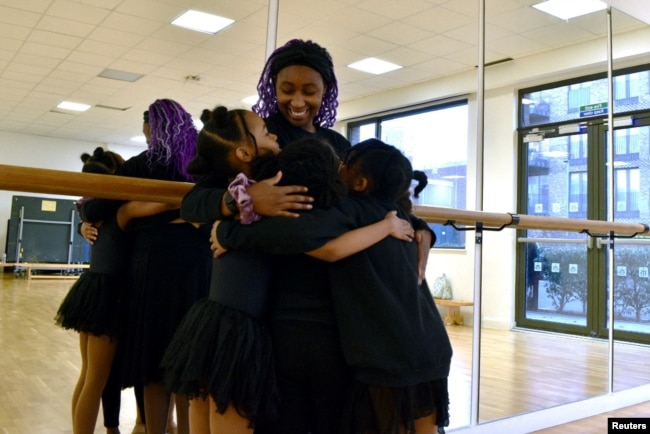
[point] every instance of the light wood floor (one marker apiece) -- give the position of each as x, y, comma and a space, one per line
520, 371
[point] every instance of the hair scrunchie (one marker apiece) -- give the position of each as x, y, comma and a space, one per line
237, 189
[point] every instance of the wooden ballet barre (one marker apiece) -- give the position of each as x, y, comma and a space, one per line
16, 178
33, 180
522, 221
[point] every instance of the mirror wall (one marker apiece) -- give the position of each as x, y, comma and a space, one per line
517, 370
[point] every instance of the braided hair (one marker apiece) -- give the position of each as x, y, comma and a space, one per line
299, 52
173, 136
223, 131
388, 171
309, 162
101, 161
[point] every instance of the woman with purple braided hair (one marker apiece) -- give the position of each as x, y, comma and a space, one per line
170, 264
298, 94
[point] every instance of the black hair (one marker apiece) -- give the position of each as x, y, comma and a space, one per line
223, 130
305, 53
422, 180
308, 162
101, 161
387, 170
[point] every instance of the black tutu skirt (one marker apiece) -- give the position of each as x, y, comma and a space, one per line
386, 410
92, 305
226, 354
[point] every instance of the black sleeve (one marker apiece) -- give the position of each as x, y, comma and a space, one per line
96, 210
419, 224
202, 204
285, 235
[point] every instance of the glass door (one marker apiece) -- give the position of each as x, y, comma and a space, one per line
631, 256
564, 274
559, 271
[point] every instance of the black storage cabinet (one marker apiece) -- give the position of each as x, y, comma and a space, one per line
45, 230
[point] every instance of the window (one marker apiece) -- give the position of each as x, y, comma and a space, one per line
627, 192
578, 195
578, 148
434, 139
586, 98
626, 144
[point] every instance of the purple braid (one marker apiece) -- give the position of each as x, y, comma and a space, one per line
299, 52
173, 136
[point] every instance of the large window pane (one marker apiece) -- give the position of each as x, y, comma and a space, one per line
435, 141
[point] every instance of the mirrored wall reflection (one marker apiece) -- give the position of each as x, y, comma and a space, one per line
559, 352
527, 370
631, 257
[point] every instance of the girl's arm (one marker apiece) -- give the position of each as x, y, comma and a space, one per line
360, 239
336, 244
134, 209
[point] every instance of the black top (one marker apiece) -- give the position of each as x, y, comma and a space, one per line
287, 133
300, 287
391, 331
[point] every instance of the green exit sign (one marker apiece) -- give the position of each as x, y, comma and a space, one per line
593, 109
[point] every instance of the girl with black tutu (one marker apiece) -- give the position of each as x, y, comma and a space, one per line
92, 306
391, 333
221, 354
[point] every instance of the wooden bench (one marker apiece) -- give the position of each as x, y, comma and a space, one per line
453, 310
27, 267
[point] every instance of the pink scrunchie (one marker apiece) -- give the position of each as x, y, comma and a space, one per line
237, 189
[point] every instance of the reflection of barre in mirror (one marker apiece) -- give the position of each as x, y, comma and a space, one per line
27, 179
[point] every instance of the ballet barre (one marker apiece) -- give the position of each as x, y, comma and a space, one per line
26, 179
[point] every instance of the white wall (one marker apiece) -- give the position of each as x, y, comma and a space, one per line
44, 153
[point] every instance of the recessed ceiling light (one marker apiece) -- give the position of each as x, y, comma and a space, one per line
139, 139
374, 66
74, 106
565, 9
250, 100
202, 22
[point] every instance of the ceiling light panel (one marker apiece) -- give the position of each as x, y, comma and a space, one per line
374, 66
202, 22
565, 9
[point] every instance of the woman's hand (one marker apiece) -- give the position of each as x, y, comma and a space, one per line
217, 248
89, 232
399, 228
273, 201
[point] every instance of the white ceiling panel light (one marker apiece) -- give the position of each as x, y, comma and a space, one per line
73, 106
202, 22
565, 9
250, 100
374, 66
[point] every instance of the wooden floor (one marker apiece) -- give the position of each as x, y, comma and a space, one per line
520, 371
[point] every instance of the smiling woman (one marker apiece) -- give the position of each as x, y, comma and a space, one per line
298, 94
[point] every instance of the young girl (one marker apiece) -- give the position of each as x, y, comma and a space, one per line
222, 350
91, 307
391, 333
